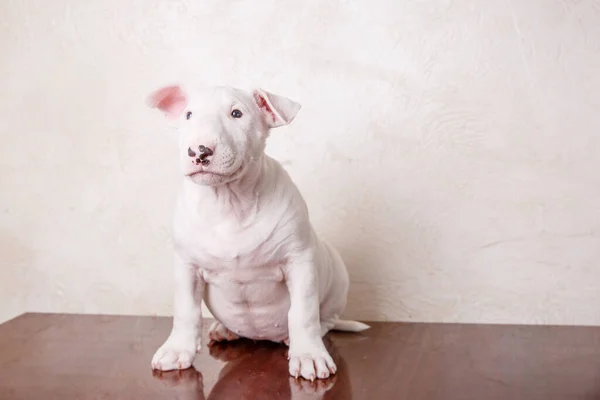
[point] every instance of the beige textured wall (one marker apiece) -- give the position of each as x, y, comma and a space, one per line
450, 149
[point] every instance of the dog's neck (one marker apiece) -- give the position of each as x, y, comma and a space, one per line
239, 198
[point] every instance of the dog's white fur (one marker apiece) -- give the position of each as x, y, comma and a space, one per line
243, 240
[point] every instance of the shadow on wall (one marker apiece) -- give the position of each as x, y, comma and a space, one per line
378, 290
16, 259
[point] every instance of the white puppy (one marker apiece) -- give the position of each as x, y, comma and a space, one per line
242, 236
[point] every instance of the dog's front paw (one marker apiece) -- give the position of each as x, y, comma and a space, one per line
175, 354
303, 389
311, 362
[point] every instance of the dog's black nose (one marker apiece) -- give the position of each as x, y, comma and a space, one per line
204, 151
202, 156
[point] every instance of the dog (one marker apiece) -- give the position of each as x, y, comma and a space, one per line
242, 236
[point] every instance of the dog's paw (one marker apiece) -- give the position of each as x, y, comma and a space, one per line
188, 378
301, 389
311, 363
175, 354
219, 333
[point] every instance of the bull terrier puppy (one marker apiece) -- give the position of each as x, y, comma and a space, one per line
242, 236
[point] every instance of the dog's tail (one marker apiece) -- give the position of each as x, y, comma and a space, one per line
349, 326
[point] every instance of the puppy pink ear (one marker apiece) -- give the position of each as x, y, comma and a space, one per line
170, 99
277, 110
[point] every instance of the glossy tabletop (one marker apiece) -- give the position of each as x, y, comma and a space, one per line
47, 356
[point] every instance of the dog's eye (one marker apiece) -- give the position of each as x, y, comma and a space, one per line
188, 115
236, 114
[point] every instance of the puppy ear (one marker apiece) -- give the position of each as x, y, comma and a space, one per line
171, 100
276, 110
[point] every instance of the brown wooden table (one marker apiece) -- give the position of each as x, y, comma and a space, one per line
51, 356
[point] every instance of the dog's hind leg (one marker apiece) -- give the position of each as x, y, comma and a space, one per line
219, 333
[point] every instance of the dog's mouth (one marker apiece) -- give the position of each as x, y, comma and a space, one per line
204, 172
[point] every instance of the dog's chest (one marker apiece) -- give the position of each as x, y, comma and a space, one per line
230, 251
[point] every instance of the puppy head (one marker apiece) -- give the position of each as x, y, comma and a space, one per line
222, 130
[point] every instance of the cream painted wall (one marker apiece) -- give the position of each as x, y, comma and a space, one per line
450, 149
